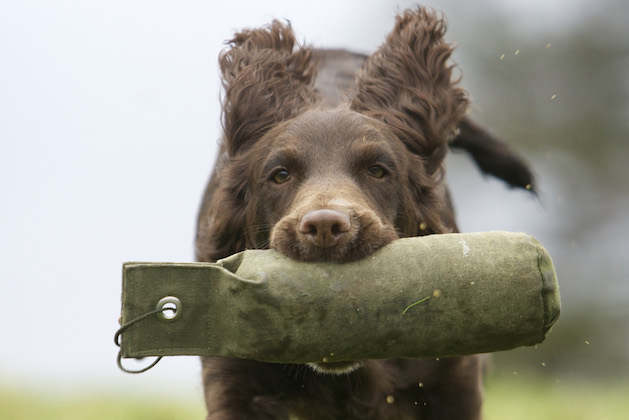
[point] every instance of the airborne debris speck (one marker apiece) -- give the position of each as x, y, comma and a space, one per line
466, 248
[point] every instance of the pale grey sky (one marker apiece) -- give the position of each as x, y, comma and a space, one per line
108, 125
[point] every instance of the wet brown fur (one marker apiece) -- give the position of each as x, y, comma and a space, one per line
400, 116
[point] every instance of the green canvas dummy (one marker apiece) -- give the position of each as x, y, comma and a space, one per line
432, 296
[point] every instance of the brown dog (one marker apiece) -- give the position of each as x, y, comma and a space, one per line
320, 178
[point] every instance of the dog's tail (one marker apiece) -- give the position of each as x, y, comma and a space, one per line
493, 156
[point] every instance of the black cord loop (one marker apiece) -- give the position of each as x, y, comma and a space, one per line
126, 327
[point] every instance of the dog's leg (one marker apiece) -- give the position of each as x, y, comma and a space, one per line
243, 389
453, 389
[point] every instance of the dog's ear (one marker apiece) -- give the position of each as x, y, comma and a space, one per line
267, 78
407, 83
222, 218
493, 156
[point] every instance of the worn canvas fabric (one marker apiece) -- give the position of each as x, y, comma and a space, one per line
431, 296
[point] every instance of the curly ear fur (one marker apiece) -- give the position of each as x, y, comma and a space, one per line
266, 80
429, 203
221, 223
407, 84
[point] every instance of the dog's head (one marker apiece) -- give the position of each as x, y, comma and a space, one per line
332, 184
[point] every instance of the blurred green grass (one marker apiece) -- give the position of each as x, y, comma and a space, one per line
518, 397
25, 405
508, 397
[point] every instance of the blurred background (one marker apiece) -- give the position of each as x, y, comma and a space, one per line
109, 121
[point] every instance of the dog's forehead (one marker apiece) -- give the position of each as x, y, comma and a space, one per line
329, 141
334, 128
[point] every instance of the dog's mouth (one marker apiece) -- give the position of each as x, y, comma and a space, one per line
351, 252
331, 236
335, 368
333, 254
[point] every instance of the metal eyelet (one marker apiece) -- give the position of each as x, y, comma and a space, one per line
169, 308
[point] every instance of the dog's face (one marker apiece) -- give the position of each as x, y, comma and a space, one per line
330, 185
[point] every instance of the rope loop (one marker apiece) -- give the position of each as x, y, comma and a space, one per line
126, 326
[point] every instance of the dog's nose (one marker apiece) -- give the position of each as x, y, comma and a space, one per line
325, 227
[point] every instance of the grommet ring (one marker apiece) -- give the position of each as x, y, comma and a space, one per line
169, 308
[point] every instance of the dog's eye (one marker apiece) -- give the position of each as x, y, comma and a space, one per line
281, 176
376, 171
